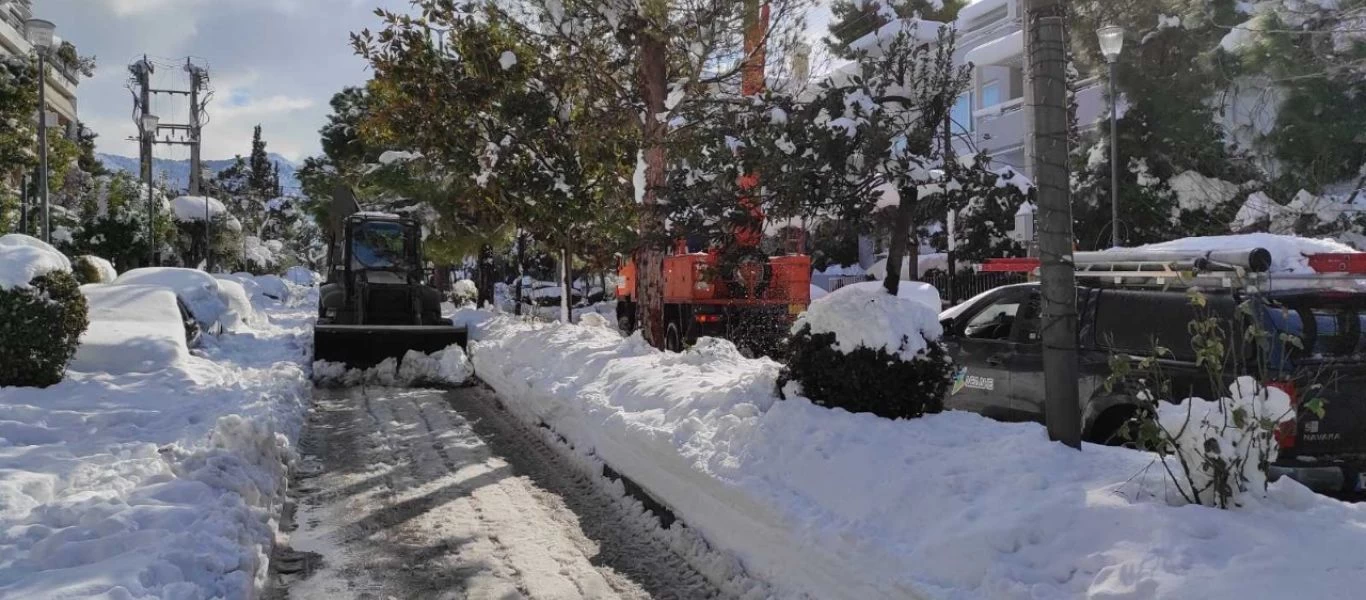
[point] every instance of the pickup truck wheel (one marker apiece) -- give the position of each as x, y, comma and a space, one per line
1109, 427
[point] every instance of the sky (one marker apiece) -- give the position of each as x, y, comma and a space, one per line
271, 62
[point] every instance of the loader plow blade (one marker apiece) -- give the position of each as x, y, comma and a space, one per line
364, 346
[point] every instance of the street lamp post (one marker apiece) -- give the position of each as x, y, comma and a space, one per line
149, 129
39, 32
1111, 44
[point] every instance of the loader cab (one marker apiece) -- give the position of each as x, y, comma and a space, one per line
385, 249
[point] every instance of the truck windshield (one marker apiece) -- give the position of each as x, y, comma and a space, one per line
379, 245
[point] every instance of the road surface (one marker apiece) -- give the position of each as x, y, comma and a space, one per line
442, 494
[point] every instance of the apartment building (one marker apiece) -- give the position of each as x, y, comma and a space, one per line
991, 115
61, 80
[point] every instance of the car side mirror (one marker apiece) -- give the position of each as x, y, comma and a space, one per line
947, 324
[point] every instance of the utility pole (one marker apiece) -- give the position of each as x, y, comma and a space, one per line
1046, 51
188, 133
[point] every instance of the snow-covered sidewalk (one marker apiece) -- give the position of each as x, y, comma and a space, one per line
830, 504
161, 484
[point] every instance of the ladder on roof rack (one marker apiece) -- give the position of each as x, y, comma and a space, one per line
1246, 270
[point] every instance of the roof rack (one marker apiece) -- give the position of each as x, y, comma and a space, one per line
1243, 270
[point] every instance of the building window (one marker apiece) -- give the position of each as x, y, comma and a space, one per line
961, 115
991, 93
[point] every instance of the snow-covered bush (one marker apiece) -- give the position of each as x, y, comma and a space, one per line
864, 350
92, 269
1214, 451
42, 312
464, 292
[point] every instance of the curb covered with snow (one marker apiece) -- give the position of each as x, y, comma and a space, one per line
837, 505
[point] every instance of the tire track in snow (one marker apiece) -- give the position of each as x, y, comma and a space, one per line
430, 494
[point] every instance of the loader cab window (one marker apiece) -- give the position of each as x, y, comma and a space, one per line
379, 245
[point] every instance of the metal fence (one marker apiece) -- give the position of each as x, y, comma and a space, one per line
958, 287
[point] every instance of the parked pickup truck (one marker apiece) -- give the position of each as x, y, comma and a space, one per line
995, 341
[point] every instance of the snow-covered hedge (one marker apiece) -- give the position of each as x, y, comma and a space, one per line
42, 312
864, 350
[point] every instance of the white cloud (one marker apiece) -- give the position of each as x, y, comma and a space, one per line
265, 106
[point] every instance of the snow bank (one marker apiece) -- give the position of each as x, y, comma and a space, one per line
838, 505
864, 315
303, 276
1288, 252
212, 301
151, 485
23, 257
449, 367
133, 329
193, 208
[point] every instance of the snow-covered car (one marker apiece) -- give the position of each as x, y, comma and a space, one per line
134, 329
217, 304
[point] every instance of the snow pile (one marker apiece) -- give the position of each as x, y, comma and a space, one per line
449, 367
864, 315
195, 208
151, 485
1288, 253
303, 276
831, 504
464, 291
213, 302
133, 329
263, 253
23, 257
105, 268
1201, 428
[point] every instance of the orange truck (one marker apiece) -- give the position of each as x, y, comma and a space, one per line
751, 302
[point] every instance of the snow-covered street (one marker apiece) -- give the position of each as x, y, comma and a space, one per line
432, 494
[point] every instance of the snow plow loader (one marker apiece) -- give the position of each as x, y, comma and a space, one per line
375, 303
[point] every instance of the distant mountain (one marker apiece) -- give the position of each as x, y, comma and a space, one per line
178, 171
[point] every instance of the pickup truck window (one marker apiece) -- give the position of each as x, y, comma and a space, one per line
995, 321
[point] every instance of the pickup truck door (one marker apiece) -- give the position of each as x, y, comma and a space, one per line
982, 343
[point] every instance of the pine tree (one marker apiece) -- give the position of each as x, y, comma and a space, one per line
259, 179
853, 19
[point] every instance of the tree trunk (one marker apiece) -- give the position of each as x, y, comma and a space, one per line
566, 284
901, 234
649, 257
485, 275
521, 271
